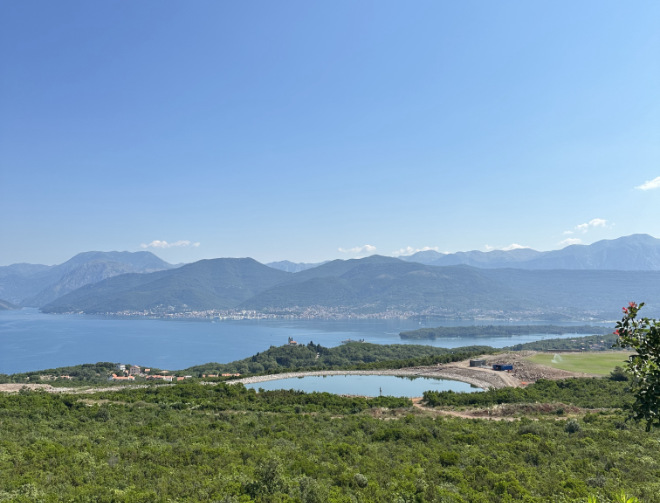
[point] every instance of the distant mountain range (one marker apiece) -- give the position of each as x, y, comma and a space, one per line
36, 285
576, 282
288, 266
372, 285
207, 284
638, 252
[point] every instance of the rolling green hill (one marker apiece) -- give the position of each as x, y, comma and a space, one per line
377, 284
207, 284
360, 355
371, 285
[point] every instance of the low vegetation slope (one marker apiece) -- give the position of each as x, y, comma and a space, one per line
188, 443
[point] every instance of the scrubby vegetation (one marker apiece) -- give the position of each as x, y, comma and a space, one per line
589, 342
87, 373
589, 393
194, 442
642, 335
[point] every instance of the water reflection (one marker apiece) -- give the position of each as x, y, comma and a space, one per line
367, 385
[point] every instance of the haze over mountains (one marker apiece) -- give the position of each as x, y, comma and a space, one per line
36, 285
207, 284
576, 282
638, 252
7, 306
373, 285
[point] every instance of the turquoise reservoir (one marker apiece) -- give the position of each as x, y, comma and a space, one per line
366, 385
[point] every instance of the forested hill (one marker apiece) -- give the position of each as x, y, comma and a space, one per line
503, 330
207, 284
590, 342
377, 284
370, 285
351, 355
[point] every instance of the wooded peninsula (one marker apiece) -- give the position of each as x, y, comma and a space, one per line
502, 330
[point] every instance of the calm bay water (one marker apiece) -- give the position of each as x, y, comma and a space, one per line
30, 340
366, 385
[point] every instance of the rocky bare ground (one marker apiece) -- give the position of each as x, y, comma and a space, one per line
525, 371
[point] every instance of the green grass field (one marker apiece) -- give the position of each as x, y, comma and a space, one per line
597, 362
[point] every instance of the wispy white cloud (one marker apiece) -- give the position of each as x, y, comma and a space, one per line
570, 241
585, 227
409, 250
164, 244
359, 250
512, 246
651, 184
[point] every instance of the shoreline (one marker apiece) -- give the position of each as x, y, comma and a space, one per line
480, 379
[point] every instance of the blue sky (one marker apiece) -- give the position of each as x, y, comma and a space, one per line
317, 130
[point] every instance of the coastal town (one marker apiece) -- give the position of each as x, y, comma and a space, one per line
327, 313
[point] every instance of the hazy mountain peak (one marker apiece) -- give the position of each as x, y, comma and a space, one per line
635, 252
37, 285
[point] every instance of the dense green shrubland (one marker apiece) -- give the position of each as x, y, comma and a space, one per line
589, 393
194, 442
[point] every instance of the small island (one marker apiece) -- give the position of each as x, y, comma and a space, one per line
500, 330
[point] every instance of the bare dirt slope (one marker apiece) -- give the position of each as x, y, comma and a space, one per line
527, 371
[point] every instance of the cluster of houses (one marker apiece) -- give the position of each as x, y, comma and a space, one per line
130, 372
220, 375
